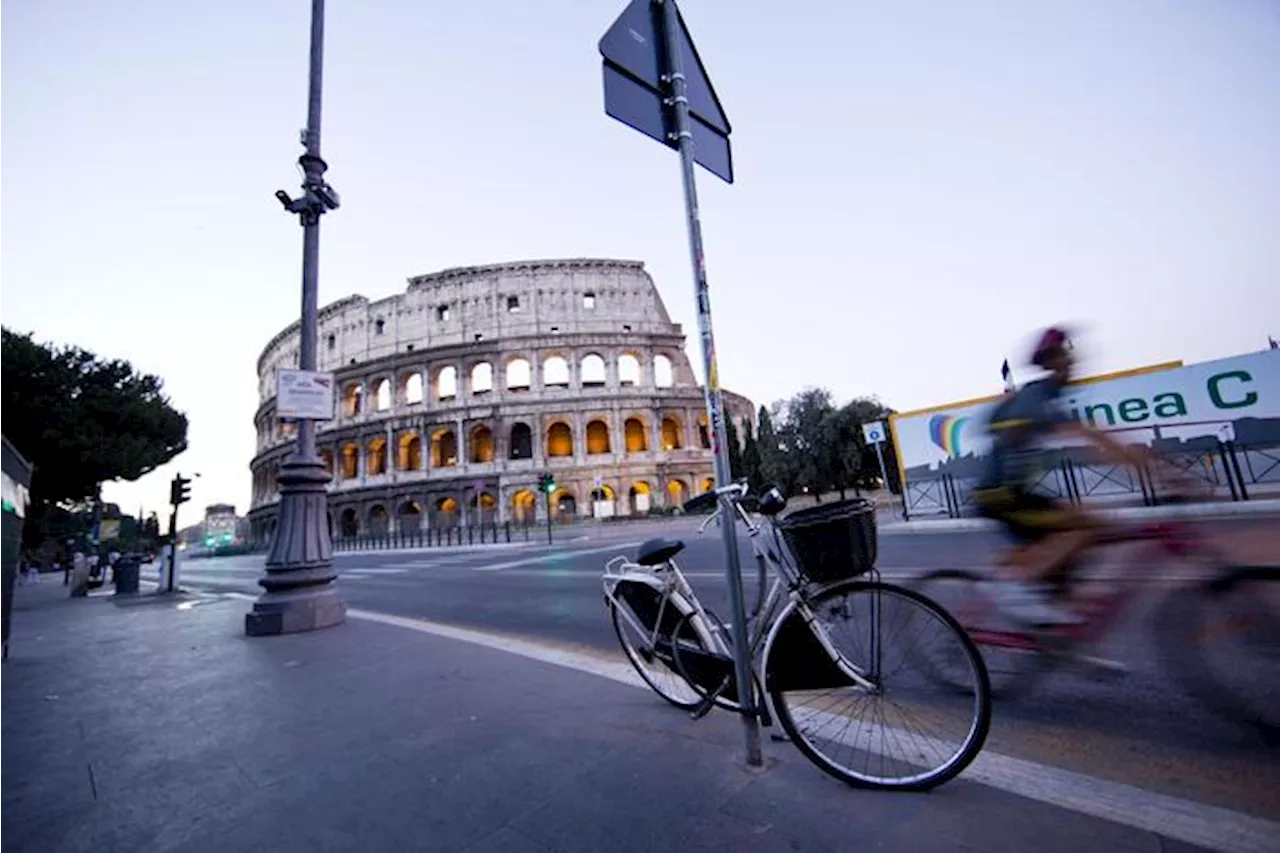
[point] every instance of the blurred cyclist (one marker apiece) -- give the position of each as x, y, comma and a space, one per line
1050, 534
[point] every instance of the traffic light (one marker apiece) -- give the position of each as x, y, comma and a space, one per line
180, 490
547, 483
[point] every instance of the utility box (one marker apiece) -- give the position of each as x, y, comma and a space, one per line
14, 484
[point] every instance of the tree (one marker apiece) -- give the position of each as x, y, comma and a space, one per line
775, 465
82, 421
805, 436
735, 449
751, 461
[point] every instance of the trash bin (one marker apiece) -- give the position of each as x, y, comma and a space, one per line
127, 572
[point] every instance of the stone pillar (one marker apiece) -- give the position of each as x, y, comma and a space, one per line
462, 443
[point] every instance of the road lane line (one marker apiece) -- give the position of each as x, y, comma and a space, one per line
619, 548
1202, 825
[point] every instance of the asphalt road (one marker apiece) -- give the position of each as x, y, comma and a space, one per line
1142, 731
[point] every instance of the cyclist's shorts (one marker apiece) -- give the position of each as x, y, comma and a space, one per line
1028, 516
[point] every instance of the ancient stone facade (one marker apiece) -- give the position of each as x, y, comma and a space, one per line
454, 396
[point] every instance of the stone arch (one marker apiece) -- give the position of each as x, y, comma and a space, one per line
519, 374
592, 371
349, 522
597, 437
564, 506
484, 508
677, 492
376, 460
480, 444
524, 507
352, 399
663, 373
708, 485
409, 516
671, 433
379, 520
635, 435
382, 398
444, 448
326, 457
641, 496
446, 512
559, 440
411, 387
704, 433
409, 452
628, 369
482, 378
521, 441
447, 383
555, 372
350, 461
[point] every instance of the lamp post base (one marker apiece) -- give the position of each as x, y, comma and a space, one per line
299, 571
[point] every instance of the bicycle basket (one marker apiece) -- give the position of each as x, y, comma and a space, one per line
832, 541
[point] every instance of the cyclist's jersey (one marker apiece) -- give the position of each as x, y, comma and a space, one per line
1015, 425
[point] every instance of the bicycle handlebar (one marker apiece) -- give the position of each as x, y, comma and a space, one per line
706, 500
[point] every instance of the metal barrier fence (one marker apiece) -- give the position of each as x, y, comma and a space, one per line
1226, 469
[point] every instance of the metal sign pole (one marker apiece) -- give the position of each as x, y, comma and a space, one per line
884, 472
715, 401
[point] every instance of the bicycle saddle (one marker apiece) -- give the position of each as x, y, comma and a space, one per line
657, 551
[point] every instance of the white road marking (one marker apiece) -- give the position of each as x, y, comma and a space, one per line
618, 548
1202, 825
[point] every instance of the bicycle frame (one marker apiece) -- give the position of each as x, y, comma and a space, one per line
1165, 539
772, 609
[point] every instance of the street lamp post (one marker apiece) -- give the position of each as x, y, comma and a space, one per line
298, 581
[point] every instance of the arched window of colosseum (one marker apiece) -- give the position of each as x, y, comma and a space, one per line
326, 456
519, 375
628, 369
382, 394
350, 462
555, 372
377, 457
378, 520
409, 517
593, 375
662, 376
523, 507
521, 441
671, 434
411, 383
349, 523
636, 435
447, 383
446, 512
559, 440
597, 437
677, 492
564, 505
352, 399
481, 444
444, 449
409, 452
708, 484
704, 435
640, 496
482, 378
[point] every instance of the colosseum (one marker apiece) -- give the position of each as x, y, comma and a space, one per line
453, 397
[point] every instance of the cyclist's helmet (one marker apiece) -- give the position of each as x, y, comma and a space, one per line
1053, 340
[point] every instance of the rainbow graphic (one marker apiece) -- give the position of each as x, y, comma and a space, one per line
945, 432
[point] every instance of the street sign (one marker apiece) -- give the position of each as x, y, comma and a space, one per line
636, 93
873, 433
109, 528
304, 394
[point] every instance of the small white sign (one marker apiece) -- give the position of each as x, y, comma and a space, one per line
304, 394
873, 433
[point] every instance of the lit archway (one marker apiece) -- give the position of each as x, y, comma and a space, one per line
350, 461
708, 484
564, 505
480, 446
559, 440
377, 457
637, 438
597, 437
446, 512
524, 507
326, 456
641, 497
677, 493
704, 434
352, 399
409, 452
444, 449
671, 434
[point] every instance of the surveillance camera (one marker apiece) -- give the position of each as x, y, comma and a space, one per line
329, 196
285, 200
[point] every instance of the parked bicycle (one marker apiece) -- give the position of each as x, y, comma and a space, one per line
1219, 635
828, 655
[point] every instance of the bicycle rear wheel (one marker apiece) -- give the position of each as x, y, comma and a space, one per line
653, 661
1223, 642
896, 729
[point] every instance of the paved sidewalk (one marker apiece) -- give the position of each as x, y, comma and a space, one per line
153, 724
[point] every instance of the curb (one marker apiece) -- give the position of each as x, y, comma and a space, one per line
1241, 509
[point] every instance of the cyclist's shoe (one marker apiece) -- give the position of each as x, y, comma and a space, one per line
1031, 605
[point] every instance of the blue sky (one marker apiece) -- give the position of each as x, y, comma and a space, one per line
919, 184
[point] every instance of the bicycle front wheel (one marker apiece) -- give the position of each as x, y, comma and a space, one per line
866, 706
